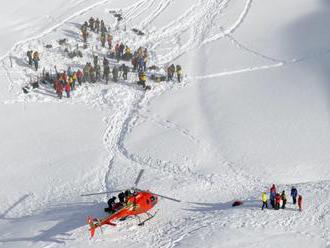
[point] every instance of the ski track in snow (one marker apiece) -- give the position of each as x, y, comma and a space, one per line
130, 104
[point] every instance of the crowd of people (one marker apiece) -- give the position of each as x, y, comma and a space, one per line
93, 25
100, 69
279, 200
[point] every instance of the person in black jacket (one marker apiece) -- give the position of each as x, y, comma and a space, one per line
111, 202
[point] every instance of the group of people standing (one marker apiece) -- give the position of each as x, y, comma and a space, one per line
279, 200
99, 69
94, 25
171, 70
66, 81
93, 73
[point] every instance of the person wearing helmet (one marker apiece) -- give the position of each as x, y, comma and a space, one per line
111, 203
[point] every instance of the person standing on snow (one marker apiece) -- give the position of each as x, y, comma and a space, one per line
106, 73
29, 55
92, 73
91, 23
179, 73
103, 27
121, 49
98, 72
264, 200
300, 202
97, 25
277, 201
283, 197
170, 72
294, 194
109, 40
86, 72
103, 39
80, 76
95, 60
115, 72
58, 88
125, 71
67, 89
36, 59
84, 34
272, 195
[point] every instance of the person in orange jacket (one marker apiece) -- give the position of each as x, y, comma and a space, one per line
300, 202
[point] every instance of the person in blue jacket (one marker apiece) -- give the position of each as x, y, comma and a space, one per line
294, 194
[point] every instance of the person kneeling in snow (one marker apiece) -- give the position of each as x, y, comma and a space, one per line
142, 80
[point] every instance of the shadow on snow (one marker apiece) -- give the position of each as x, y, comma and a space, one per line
67, 216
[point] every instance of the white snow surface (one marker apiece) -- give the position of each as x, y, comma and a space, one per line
252, 110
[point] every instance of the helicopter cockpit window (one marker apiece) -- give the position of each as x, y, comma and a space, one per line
152, 198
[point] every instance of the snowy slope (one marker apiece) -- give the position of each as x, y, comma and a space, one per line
253, 110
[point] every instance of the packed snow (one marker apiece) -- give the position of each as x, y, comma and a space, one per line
252, 111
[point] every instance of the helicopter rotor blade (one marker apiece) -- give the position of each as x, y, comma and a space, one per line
166, 197
138, 177
102, 193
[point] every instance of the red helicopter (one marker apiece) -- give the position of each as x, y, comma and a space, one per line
137, 203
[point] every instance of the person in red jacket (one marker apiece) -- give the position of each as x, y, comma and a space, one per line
67, 90
277, 201
273, 189
272, 194
300, 202
58, 88
80, 76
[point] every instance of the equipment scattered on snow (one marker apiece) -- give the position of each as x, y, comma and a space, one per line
62, 42
138, 32
237, 203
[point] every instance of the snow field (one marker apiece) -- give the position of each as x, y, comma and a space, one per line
246, 116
